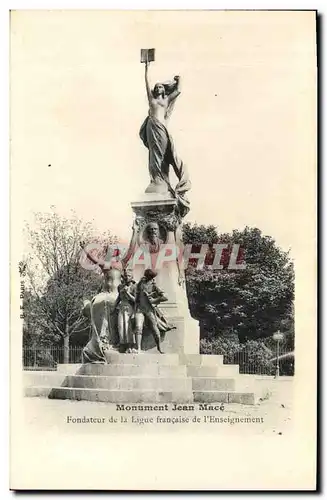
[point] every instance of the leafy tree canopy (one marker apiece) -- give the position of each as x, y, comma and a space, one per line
252, 302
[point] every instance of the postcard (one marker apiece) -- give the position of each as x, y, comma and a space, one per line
163, 250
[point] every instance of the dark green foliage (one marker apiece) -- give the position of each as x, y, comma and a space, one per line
253, 302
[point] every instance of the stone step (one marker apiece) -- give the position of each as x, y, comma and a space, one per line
149, 396
111, 396
69, 368
142, 359
213, 384
144, 370
213, 371
156, 382
240, 384
201, 360
46, 379
246, 398
150, 369
37, 391
129, 383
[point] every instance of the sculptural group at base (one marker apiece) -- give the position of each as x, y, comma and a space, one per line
122, 313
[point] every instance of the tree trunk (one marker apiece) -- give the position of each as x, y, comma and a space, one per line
66, 346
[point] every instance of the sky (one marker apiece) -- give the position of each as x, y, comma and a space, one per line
245, 122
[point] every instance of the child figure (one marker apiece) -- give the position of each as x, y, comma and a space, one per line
125, 307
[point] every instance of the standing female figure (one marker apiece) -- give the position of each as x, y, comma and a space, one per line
162, 152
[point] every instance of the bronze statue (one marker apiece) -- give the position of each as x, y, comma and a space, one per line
162, 152
125, 307
101, 311
148, 296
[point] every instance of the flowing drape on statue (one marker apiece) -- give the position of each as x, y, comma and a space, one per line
162, 322
102, 315
162, 154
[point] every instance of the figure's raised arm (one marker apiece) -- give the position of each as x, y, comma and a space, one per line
177, 89
147, 84
94, 260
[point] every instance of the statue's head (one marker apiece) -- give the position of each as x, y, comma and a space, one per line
153, 231
111, 279
149, 274
127, 277
159, 89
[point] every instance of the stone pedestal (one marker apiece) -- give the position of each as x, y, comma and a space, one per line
164, 255
146, 378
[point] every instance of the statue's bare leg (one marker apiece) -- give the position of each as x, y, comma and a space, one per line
139, 342
139, 321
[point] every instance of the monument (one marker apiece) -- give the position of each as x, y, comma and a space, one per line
156, 237
144, 345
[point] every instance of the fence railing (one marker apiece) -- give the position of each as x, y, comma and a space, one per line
47, 358
249, 364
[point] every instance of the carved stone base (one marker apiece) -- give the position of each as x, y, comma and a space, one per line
161, 210
184, 339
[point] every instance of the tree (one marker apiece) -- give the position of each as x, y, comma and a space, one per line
58, 284
252, 302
